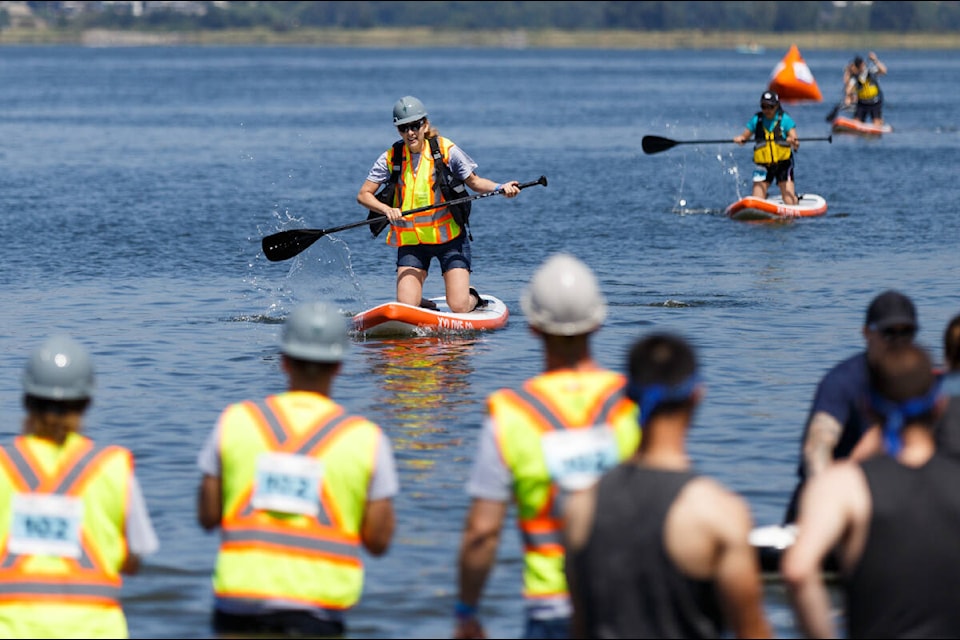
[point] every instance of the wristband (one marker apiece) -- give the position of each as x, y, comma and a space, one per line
464, 611
498, 187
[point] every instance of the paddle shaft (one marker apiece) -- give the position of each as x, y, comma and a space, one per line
656, 144
287, 244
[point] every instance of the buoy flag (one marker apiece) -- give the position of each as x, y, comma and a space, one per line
792, 80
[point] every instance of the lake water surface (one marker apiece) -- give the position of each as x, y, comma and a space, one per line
136, 185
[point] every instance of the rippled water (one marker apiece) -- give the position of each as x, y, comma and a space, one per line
136, 184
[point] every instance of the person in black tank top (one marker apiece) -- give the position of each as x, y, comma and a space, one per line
655, 550
891, 518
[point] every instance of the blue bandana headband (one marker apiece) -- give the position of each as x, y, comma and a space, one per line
650, 396
896, 414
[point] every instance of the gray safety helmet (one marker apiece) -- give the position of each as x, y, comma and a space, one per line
316, 332
564, 298
59, 369
408, 109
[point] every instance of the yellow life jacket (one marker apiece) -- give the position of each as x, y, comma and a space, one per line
867, 89
562, 428
295, 472
767, 147
63, 537
419, 187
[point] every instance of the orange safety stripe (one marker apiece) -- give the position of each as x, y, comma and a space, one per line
542, 532
439, 218
87, 579
322, 537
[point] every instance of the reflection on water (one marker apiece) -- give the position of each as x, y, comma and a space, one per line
423, 381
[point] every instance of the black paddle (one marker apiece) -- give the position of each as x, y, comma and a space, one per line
287, 244
833, 112
656, 144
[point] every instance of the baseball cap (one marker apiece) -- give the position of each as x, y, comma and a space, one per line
890, 309
769, 97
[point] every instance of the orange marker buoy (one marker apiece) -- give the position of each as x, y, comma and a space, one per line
792, 80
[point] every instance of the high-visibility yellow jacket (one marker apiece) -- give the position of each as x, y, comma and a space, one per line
295, 473
560, 427
62, 525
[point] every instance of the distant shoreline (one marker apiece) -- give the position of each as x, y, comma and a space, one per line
499, 39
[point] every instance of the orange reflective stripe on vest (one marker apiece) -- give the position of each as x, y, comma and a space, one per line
316, 538
306, 552
419, 187
87, 579
538, 429
543, 532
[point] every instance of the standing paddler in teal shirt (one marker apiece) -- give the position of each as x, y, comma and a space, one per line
775, 139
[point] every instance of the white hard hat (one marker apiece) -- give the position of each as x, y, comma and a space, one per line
59, 369
564, 298
317, 332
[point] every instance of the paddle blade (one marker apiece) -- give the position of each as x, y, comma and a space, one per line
287, 244
656, 144
833, 113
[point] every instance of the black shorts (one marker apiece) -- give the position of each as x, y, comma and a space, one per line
779, 171
868, 112
283, 623
455, 254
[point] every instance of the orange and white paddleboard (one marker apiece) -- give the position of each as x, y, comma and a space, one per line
849, 125
396, 318
792, 79
752, 209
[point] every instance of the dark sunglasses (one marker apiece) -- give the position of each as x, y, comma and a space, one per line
898, 333
414, 126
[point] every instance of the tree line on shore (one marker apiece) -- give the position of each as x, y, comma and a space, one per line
674, 15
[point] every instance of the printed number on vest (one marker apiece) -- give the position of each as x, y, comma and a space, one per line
46, 525
287, 483
576, 458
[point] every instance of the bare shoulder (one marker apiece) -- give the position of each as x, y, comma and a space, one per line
707, 521
841, 475
714, 504
841, 486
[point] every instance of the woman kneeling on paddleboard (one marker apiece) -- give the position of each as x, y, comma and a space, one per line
775, 139
424, 169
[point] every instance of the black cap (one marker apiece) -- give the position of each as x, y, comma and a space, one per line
891, 309
857, 61
769, 97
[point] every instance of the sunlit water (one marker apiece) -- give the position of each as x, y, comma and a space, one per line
136, 184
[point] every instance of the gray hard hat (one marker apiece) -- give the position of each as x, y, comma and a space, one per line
315, 331
408, 109
59, 369
564, 298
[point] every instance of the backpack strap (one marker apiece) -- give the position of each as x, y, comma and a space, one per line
452, 189
397, 162
387, 190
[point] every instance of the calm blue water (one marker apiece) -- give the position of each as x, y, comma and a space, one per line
136, 184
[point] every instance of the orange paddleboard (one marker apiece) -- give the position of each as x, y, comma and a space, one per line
792, 79
396, 318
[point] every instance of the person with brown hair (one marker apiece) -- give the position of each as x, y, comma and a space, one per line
72, 514
424, 168
863, 89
